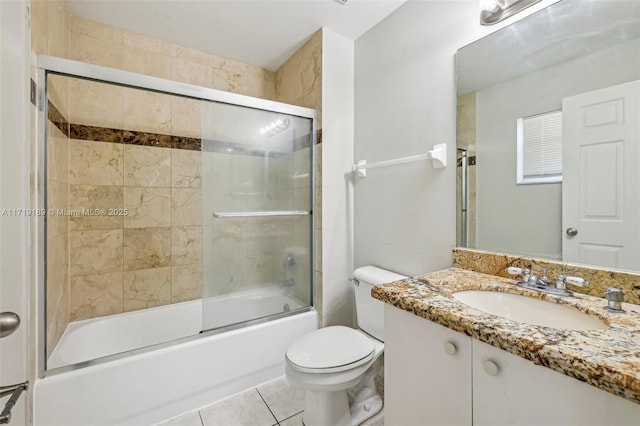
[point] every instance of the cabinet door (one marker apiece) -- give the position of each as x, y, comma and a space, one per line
509, 390
427, 379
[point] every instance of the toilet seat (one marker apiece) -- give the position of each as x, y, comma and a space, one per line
330, 350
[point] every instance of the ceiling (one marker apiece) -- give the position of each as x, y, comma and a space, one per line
258, 32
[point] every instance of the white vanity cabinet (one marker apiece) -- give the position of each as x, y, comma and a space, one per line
429, 383
510, 390
427, 372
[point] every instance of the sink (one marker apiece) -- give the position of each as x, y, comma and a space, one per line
529, 310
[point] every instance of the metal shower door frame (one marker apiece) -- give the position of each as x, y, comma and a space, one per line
70, 68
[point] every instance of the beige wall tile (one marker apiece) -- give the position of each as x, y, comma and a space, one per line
95, 252
57, 155
108, 199
185, 117
317, 208
95, 104
58, 93
57, 199
59, 28
147, 44
186, 169
58, 269
95, 163
146, 111
191, 72
146, 288
147, 166
40, 26
186, 283
146, 62
146, 248
186, 207
96, 295
96, 43
299, 80
186, 54
147, 207
186, 245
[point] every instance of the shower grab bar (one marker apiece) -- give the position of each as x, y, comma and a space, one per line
230, 215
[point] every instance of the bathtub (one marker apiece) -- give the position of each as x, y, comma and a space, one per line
148, 387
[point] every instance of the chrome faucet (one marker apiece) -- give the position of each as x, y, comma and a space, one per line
543, 283
614, 297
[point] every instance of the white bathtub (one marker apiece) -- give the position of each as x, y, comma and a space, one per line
146, 388
99, 337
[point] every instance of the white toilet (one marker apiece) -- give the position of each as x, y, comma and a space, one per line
337, 365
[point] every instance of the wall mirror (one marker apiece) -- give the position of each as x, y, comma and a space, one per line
548, 136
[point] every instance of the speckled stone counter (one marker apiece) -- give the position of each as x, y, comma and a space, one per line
608, 359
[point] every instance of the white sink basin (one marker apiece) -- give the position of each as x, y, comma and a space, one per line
529, 310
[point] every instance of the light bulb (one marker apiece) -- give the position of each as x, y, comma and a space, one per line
490, 5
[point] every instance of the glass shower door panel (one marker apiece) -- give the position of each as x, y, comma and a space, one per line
256, 181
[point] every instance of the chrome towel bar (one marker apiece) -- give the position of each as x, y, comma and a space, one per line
230, 215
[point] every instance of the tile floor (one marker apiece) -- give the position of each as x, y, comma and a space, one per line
271, 404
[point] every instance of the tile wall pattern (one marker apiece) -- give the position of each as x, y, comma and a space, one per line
151, 183
50, 23
599, 278
149, 251
299, 80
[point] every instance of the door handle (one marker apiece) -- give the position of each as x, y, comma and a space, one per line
572, 232
9, 322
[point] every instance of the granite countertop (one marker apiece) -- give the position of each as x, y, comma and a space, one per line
608, 359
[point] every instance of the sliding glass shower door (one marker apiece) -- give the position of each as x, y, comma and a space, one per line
257, 213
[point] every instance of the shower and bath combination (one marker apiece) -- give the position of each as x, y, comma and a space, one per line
177, 225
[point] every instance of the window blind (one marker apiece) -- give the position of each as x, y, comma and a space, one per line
540, 148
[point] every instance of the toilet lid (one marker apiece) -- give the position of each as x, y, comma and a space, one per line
330, 349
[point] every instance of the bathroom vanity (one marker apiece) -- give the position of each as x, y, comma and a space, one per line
449, 363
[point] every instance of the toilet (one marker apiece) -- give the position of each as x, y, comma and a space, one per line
337, 365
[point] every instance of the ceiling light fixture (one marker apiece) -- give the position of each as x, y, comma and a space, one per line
494, 11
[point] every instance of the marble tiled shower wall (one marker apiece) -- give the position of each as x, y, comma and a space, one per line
55, 32
155, 191
146, 250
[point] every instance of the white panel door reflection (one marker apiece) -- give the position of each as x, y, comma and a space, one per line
601, 180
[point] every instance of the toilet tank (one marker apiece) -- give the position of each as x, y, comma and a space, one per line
370, 311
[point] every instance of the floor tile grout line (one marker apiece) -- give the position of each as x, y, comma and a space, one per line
293, 415
268, 408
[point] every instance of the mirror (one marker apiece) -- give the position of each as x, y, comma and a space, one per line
580, 58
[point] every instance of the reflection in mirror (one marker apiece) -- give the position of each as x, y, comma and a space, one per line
548, 136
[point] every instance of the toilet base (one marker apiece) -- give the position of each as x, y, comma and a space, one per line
348, 407
326, 408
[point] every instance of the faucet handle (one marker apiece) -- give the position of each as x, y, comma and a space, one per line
577, 281
513, 270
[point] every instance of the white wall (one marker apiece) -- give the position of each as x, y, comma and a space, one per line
14, 194
405, 103
337, 191
536, 229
